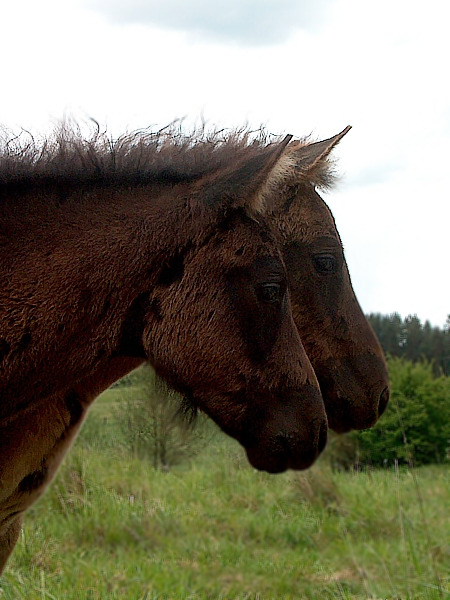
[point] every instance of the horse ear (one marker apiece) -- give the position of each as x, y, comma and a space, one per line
245, 185
310, 161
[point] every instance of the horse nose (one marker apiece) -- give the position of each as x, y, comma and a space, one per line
300, 451
383, 401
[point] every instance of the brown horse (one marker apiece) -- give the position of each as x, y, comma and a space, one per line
343, 350
143, 251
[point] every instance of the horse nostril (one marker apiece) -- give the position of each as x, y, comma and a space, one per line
384, 399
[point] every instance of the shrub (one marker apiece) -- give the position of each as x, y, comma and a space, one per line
150, 421
416, 424
341, 452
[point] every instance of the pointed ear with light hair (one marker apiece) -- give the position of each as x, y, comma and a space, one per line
311, 161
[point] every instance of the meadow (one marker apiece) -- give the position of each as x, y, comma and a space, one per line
112, 526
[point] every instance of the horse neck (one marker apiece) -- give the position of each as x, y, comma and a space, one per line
69, 273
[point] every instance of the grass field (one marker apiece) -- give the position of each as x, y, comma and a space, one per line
113, 527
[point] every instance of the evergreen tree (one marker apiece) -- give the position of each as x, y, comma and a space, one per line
414, 338
410, 339
389, 331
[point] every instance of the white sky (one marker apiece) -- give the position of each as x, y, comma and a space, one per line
381, 66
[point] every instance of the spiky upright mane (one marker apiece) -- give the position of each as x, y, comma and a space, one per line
144, 156
167, 155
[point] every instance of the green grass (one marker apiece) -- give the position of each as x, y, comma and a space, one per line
112, 527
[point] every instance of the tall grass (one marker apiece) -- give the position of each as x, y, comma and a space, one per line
113, 527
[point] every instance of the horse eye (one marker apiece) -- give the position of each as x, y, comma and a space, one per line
325, 263
270, 293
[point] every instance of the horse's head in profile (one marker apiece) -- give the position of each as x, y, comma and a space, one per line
338, 339
217, 323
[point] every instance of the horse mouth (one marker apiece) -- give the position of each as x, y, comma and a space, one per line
345, 415
355, 393
286, 451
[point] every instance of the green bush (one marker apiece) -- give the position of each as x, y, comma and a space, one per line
416, 425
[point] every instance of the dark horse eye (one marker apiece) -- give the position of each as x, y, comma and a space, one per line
325, 263
270, 292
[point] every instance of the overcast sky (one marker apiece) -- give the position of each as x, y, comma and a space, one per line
296, 66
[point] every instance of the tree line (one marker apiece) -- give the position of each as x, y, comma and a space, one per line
410, 339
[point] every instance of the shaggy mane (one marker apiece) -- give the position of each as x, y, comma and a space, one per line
168, 155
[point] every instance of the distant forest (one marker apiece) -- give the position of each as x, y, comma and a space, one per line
408, 338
